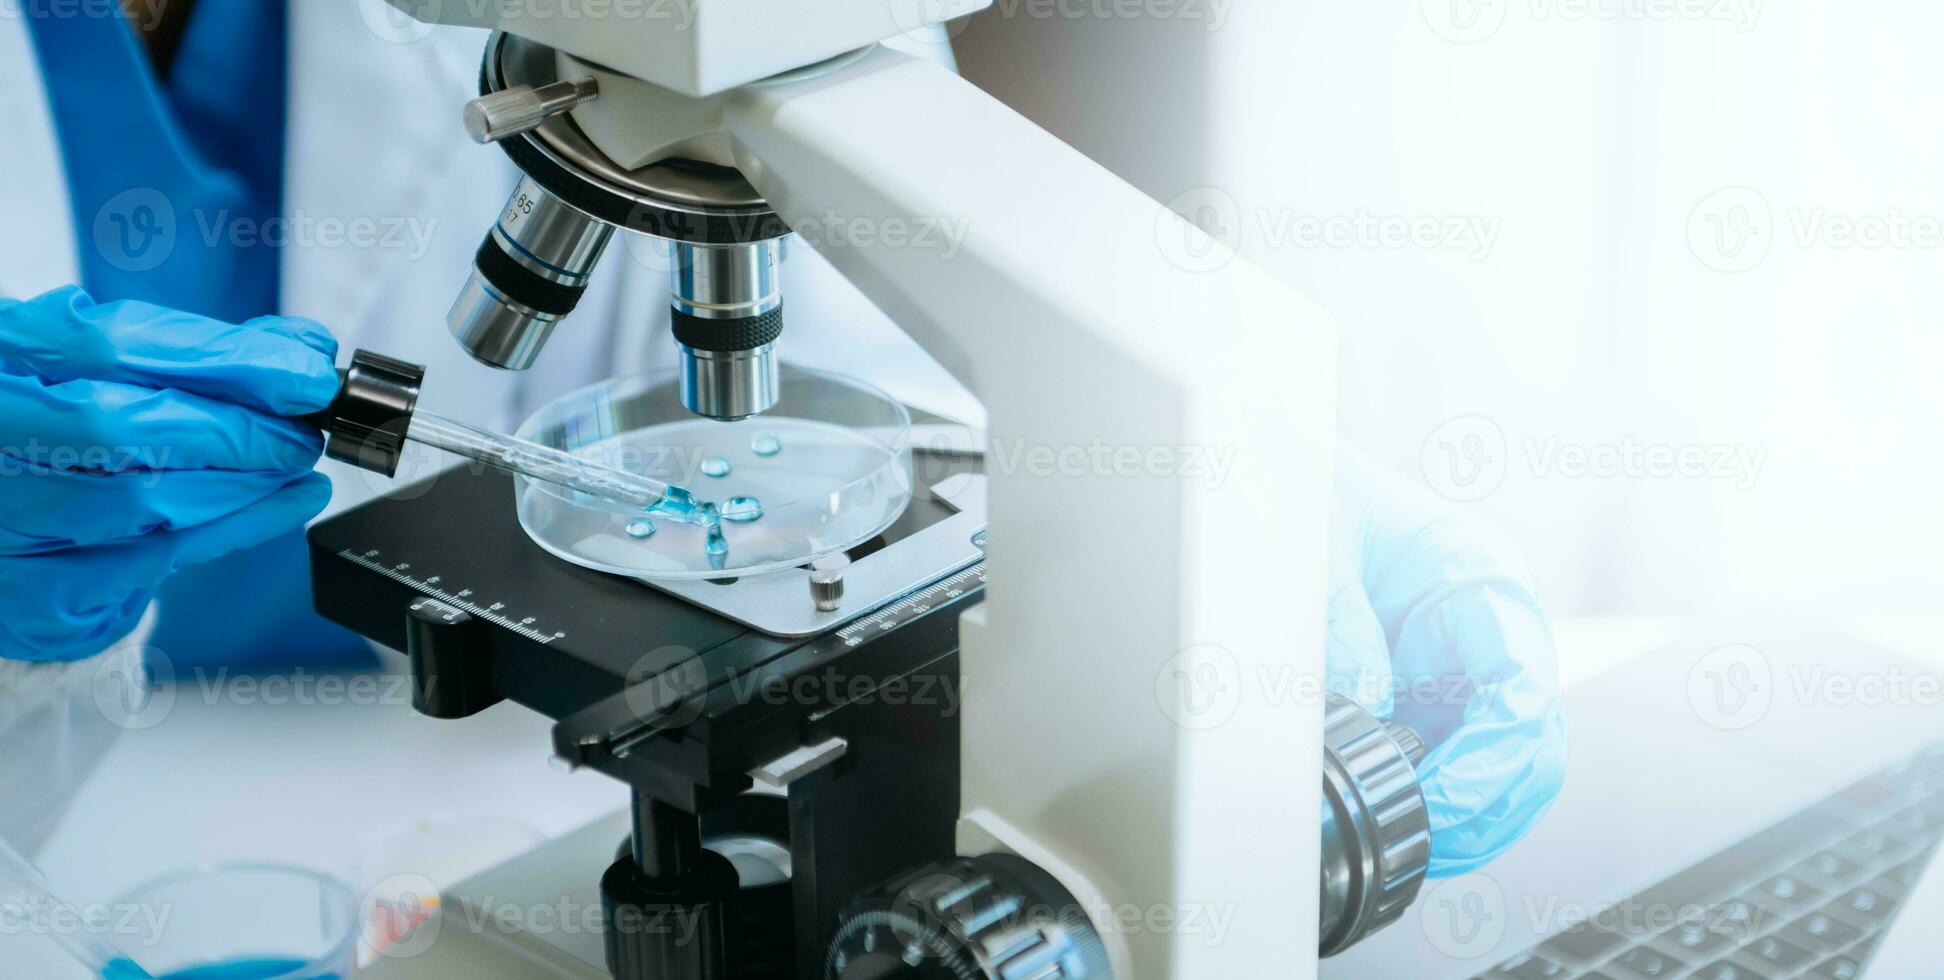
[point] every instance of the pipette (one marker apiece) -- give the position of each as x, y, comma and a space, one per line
376, 412
537, 462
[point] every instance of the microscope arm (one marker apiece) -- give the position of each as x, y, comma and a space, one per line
1159, 480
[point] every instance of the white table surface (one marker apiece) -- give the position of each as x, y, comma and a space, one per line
320, 785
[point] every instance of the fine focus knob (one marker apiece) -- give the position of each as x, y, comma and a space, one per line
1376, 827
521, 108
997, 916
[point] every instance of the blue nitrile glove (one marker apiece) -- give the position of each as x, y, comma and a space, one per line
136, 440
1433, 623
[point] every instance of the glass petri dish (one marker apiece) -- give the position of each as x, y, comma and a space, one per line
246, 922
825, 470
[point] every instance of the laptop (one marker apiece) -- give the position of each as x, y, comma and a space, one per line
1753, 802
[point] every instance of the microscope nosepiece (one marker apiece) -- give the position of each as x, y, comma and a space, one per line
529, 273
727, 316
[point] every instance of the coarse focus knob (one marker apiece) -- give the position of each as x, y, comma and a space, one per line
1376, 827
997, 916
521, 108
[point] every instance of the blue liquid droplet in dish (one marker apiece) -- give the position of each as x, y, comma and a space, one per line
677, 504
715, 466
742, 510
641, 528
765, 445
717, 546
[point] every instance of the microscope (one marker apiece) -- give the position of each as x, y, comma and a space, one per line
1048, 722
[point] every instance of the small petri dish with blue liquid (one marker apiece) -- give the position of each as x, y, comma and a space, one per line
244, 922
825, 470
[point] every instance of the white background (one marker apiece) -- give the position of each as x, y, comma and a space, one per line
1597, 136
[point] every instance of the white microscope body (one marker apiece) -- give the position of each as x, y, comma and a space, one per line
1161, 418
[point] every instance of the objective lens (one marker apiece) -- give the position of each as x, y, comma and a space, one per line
529, 273
728, 313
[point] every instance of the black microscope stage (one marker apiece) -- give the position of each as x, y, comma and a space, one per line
654, 690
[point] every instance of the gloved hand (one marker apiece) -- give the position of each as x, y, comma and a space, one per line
134, 441
1433, 623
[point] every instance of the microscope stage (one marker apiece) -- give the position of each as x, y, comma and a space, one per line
442, 569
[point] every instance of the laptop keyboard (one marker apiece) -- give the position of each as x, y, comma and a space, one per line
1807, 898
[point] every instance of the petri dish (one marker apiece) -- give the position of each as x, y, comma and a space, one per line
825, 470
246, 922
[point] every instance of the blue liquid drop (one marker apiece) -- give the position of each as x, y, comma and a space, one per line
123, 969
717, 546
641, 528
251, 969
765, 445
715, 466
677, 505
742, 510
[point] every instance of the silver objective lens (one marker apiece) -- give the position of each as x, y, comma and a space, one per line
728, 312
529, 273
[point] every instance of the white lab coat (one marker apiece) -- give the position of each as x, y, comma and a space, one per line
374, 133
